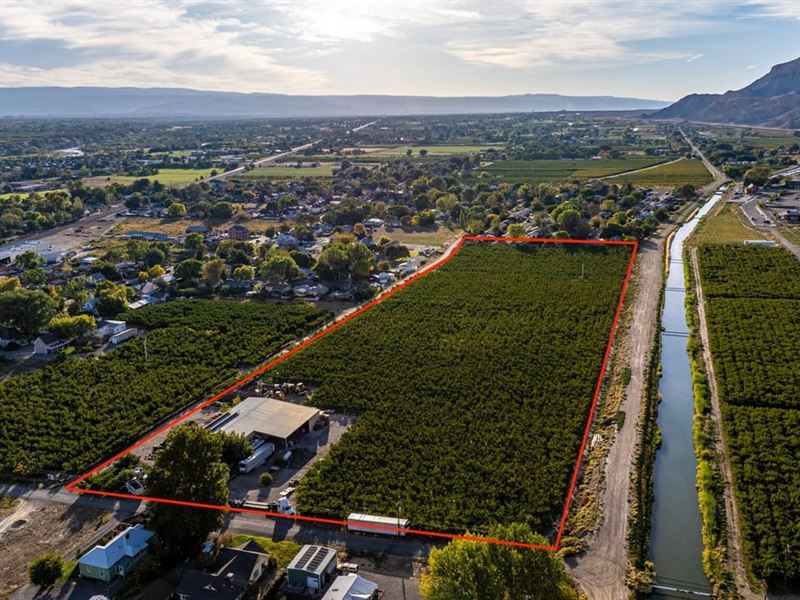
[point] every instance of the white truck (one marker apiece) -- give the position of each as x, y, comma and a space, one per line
377, 525
262, 451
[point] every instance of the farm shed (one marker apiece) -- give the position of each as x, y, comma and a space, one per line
312, 568
271, 419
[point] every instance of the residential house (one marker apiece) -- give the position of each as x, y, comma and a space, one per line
233, 573
107, 328
311, 569
201, 229
48, 344
116, 557
239, 232
352, 587
286, 240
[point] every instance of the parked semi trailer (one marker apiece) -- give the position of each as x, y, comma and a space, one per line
361, 523
263, 450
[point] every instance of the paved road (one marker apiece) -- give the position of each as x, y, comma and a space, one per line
719, 176
264, 161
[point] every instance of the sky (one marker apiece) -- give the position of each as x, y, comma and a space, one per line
658, 49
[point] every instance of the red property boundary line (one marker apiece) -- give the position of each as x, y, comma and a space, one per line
72, 485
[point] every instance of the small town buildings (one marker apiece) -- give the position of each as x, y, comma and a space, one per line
118, 556
234, 572
239, 232
48, 344
352, 587
311, 569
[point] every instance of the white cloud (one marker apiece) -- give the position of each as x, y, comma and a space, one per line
285, 45
148, 42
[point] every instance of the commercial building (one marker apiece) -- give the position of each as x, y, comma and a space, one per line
270, 419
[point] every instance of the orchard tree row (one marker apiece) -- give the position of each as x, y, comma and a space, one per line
473, 387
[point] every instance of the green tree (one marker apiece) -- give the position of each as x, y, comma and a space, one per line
344, 257
221, 210
176, 209
67, 327
195, 244
244, 273
758, 175
189, 269
27, 310
46, 569
29, 260
235, 447
214, 270
279, 267
112, 298
189, 467
516, 230
469, 570
155, 256
9, 284
569, 220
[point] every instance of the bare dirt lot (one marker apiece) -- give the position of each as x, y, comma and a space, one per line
33, 527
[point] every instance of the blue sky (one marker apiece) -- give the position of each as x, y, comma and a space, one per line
660, 49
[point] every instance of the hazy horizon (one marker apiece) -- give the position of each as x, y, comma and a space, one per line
654, 49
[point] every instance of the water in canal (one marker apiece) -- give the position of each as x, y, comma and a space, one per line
676, 545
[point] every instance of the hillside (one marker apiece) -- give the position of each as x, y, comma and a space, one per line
173, 102
772, 101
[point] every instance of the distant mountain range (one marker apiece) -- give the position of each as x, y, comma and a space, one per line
169, 102
772, 101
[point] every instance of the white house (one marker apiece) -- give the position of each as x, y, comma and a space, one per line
117, 556
107, 328
47, 344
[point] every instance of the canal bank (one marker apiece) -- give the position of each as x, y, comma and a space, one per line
676, 545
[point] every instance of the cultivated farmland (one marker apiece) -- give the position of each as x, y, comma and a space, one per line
473, 386
70, 414
753, 299
688, 171
514, 171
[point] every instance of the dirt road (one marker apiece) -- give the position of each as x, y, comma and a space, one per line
600, 572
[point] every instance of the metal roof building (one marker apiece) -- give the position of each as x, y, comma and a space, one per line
313, 567
268, 418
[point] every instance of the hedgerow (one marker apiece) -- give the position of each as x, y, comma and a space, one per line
67, 415
473, 387
753, 299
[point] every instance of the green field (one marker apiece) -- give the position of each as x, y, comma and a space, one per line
517, 171
752, 300
26, 194
689, 171
287, 171
726, 226
433, 150
758, 138
165, 176
472, 387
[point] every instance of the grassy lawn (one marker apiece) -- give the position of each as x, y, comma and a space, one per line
725, 226
685, 171
283, 551
7, 503
26, 194
286, 171
791, 233
69, 569
165, 176
428, 237
514, 171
